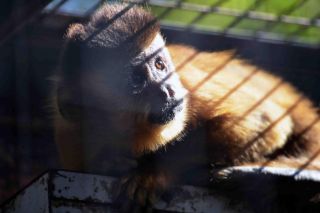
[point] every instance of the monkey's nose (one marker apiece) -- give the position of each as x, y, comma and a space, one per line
171, 92
167, 92
159, 95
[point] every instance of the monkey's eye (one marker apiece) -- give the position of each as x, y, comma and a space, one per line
159, 64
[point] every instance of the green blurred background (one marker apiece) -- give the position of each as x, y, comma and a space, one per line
295, 21
280, 12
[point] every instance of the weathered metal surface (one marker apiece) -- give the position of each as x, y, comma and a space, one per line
295, 174
32, 199
195, 199
84, 187
77, 192
81, 209
62, 191
63, 206
98, 189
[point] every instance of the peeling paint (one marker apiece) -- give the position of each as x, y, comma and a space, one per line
77, 192
32, 199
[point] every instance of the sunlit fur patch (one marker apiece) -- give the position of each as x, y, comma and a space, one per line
150, 137
156, 46
165, 113
177, 125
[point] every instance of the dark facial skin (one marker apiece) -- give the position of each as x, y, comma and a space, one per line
145, 84
153, 80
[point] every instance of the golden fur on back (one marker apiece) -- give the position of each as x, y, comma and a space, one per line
200, 111
222, 86
246, 114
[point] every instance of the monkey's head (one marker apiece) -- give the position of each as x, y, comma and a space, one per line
118, 62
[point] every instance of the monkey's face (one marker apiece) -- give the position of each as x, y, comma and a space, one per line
154, 84
144, 85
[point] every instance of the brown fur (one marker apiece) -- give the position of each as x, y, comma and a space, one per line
116, 26
256, 90
234, 114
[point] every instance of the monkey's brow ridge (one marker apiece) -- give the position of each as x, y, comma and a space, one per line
143, 59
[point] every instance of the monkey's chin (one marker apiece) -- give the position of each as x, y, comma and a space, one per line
165, 115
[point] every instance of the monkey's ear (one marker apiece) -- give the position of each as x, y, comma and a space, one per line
76, 32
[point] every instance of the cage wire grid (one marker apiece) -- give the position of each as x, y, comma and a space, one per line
167, 8
290, 24
303, 23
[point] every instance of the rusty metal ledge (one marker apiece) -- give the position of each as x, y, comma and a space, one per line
64, 191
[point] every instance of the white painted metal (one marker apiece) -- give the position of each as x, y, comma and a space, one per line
63, 191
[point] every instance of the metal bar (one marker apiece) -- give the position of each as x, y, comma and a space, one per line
304, 28
19, 17
276, 38
243, 16
255, 15
202, 15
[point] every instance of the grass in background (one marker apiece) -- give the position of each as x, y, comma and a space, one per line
303, 8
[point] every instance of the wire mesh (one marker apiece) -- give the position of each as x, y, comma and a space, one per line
221, 17
253, 21
295, 22
284, 16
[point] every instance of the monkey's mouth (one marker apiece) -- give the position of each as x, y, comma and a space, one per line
166, 113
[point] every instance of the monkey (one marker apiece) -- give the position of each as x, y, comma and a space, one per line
125, 103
